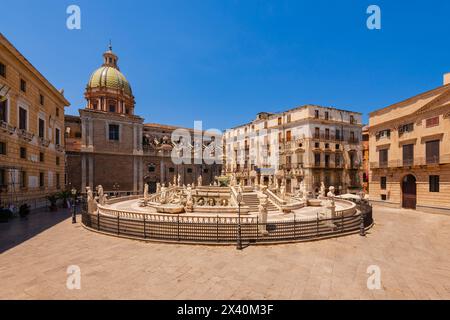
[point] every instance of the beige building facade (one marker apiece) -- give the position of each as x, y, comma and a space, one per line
310, 143
32, 157
409, 152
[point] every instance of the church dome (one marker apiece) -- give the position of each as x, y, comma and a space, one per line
109, 77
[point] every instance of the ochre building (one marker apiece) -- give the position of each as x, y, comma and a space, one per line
32, 157
409, 150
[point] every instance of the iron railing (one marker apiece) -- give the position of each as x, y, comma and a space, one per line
223, 230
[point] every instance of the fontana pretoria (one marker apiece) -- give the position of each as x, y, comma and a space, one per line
134, 189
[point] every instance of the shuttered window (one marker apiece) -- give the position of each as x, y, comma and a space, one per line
432, 151
408, 154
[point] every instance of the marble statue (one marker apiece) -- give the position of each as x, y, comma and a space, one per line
270, 181
163, 198
175, 180
189, 200
283, 191
179, 180
101, 197
145, 191
262, 213
91, 202
158, 187
200, 181
330, 193
322, 190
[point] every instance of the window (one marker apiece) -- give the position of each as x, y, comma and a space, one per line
288, 118
280, 137
2, 177
23, 85
58, 184
316, 114
57, 137
2, 148
337, 160
265, 124
22, 118
352, 136
434, 183
383, 183
2, 70
41, 128
288, 135
405, 128
383, 134
41, 157
338, 134
337, 146
189, 170
327, 115
57, 161
78, 134
112, 108
23, 179
41, 179
432, 122
317, 145
41, 99
408, 154
279, 121
352, 119
151, 168
57, 111
327, 160
383, 197
23, 152
317, 159
3, 110
205, 170
432, 151
383, 157
171, 170
317, 133
327, 134
114, 132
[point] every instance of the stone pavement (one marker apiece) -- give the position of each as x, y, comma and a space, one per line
411, 248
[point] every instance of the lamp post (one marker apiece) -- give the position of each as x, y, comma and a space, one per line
239, 237
74, 214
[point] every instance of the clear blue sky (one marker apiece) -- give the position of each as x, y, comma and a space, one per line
224, 61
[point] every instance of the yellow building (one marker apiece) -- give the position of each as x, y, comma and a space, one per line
32, 158
409, 152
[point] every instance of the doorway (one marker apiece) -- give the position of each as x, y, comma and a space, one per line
409, 192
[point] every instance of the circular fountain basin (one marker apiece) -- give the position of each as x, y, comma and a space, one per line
170, 209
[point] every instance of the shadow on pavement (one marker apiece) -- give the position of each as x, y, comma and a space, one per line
19, 230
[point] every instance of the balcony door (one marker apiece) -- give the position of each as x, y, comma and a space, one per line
409, 195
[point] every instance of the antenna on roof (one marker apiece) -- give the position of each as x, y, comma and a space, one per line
110, 45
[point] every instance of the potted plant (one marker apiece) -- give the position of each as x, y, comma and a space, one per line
52, 198
24, 210
65, 196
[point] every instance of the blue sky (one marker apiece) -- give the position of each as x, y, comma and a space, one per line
224, 61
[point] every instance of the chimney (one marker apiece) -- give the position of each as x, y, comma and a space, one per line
446, 78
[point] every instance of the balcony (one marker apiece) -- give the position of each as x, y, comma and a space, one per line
353, 140
44, 142
59, 148
25, 135
417, 161
6, 127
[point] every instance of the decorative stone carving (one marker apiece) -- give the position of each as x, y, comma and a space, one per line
179, 180
262, 213
158, 188
101, 197
91, 202
163, 198
322, 191
145, 191
189, 200
330, 193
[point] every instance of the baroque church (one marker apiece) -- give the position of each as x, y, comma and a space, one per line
108, 145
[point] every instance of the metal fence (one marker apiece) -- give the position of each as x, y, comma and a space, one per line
221, 230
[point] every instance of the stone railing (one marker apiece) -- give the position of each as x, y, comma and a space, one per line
25, 135
44, 142
7, 127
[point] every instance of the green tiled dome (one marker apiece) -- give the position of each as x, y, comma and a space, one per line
109, 77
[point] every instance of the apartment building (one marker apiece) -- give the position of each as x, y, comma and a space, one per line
32, 157
310, 143
409, 152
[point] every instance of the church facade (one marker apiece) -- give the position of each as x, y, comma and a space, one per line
108, 145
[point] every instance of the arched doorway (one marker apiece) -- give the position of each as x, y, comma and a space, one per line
409, 196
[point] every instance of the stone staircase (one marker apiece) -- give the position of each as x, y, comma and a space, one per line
251, 200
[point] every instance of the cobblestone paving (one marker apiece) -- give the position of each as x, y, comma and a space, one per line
411, 248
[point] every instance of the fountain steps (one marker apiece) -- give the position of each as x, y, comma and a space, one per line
252, 201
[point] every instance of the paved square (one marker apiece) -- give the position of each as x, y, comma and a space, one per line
411, 248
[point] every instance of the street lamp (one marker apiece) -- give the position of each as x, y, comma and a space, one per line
74, 194
239, 238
